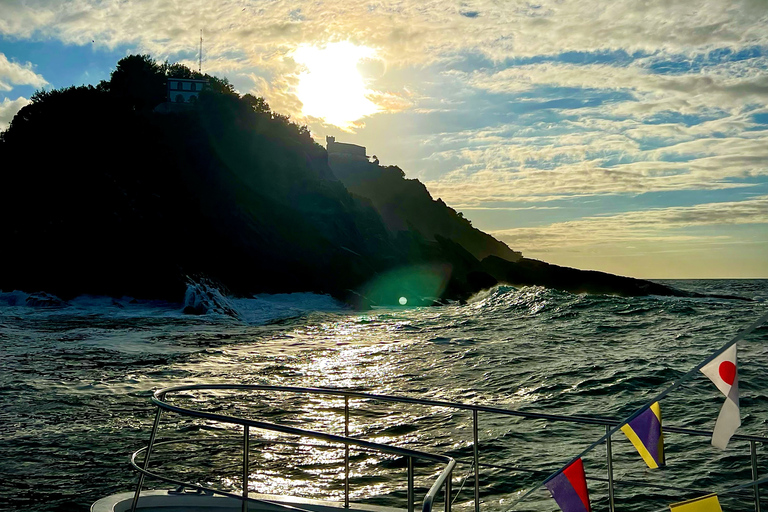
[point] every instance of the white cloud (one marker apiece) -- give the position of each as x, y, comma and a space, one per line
655, 225
727, 86
8, 109
413, 31
12, 73
595, 154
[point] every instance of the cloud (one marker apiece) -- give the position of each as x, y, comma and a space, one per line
726, 86
595, 158
654, 225
12, 73
9, 108
218, 65
408, 31
560, 153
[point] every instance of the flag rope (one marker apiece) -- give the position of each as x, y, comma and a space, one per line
679, 382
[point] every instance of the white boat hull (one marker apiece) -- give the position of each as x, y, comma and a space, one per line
169, 501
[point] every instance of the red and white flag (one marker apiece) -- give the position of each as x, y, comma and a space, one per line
722, 370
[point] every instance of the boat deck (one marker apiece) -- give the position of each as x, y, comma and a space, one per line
171, 501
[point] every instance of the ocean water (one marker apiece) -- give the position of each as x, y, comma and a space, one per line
76, 377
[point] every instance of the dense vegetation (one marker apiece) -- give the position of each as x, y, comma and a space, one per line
102, 193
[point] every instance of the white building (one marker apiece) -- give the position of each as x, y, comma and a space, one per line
184, 90
344, 150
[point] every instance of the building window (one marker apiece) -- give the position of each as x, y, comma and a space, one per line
179, 98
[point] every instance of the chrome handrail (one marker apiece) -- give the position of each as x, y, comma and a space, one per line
222, 418
158, 399
444, 479
198, 487
585, 420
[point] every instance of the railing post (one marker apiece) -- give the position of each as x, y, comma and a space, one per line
410, 484
476, 456
246, 449
146, 459
346, 452
753, 456
609, 458
448, 492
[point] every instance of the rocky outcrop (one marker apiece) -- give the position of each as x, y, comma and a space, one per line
527, 272
406, 205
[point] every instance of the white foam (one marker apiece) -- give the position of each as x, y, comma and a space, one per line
204, 298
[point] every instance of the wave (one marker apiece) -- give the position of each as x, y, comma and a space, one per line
526, 300
533, 301
204, 298
201, 299
33, 300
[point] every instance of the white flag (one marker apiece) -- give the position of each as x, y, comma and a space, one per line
723, 372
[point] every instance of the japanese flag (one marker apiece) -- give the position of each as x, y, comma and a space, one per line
723, 372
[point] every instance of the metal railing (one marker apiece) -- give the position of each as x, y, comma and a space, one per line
443, 480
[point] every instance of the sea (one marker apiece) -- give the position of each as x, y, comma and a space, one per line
76, 378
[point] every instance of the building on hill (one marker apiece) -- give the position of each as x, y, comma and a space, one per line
181, 93
184, 90
344, 150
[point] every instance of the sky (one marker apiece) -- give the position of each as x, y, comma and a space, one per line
624, 136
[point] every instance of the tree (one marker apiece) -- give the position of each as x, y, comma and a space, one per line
177, 70
259, 105
139, 80
221, 85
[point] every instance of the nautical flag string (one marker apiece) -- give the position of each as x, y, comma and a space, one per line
723, 372
708, 503
644, 431
569, 488
679, 382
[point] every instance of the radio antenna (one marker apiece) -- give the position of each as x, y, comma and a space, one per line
200, 62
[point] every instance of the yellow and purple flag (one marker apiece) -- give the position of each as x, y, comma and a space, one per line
708, 503
644, 431
569, 488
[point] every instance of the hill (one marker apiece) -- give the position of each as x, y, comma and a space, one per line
110, 196
406, 205
114, 190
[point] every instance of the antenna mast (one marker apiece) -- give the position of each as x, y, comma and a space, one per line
200, 62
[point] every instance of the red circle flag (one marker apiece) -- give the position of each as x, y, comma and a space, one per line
727, 372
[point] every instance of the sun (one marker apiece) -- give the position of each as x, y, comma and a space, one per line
331, 87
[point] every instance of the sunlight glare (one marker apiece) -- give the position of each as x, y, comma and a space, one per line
331, 87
